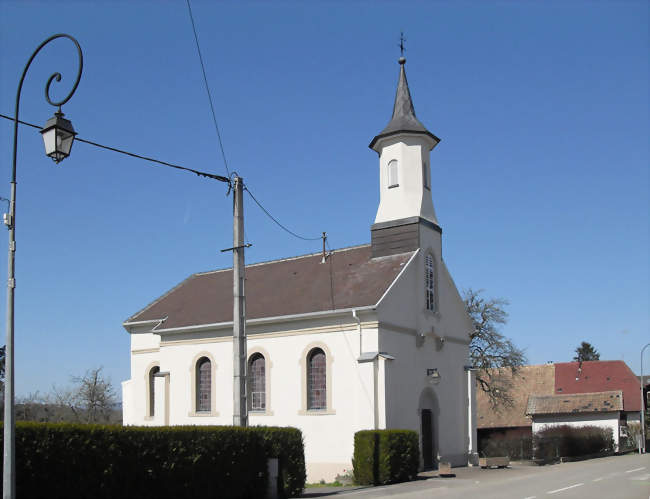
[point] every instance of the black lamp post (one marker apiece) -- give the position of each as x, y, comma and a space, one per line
58, 136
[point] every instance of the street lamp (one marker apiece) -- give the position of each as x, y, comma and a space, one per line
58, 136
433, 375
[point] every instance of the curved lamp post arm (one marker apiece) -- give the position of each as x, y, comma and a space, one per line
9, 465
54, 76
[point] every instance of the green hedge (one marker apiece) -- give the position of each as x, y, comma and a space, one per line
287, 445
569, 441
513, 446
94, 461
385, 456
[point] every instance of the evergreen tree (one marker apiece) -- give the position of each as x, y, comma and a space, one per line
586, 352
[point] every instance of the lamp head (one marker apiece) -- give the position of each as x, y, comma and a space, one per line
433, 376
58, 136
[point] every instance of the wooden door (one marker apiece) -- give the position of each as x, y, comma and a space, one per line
427, 439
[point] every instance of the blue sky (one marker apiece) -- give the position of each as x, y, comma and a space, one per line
540, 182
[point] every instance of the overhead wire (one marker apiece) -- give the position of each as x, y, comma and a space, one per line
134, 155
207, 88
277, 221
197, 172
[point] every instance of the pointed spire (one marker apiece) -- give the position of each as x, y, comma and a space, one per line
403, 119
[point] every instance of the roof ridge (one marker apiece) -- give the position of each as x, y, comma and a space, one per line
591, 361
285, 259
565, 395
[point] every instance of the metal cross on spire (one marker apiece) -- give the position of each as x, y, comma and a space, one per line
401, 43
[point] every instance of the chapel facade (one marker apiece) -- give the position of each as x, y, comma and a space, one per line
367, 337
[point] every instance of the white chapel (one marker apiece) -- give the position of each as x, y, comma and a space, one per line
369, 337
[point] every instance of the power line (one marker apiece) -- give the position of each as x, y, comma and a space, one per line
207, 88
276, 220
133, 155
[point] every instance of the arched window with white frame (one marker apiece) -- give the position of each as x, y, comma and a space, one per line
316, 380
429, 282
393, 173
152, 384
426, 176
257, 382
203, 385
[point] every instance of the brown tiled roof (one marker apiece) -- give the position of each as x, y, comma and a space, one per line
575, 403
350, 278
537, 380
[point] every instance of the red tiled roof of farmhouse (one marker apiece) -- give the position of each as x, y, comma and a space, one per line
599, 376
278, 288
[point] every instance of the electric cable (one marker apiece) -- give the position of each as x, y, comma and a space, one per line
134, 155
277, 221
207, 88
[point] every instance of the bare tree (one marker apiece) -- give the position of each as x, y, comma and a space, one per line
586, 352
92, 398
3, 351
3, 354
495, 356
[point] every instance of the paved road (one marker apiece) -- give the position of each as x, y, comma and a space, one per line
616, 477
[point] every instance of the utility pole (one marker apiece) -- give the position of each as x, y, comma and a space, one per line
642, 449
324, 238
240, 407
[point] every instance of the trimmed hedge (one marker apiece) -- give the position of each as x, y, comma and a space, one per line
385, 456
286, 444
96, 461
513, 446
570, 441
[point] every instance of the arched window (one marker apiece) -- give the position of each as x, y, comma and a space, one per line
152, 395
393, 174
316, 380
257, 382
429, 283
426, 175
203, 385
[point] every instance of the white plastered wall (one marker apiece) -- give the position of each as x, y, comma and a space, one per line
328, 435
410, 198
407, 385
602, 420
145, 353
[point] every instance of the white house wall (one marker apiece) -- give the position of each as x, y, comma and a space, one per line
602, 420
145, 348
328, 435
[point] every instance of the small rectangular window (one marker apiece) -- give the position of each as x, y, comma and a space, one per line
425, 175
429, 283
393, 178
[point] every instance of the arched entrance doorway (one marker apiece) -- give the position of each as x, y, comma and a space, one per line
428, 411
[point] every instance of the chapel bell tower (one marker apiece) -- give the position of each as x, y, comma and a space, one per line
405, 203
